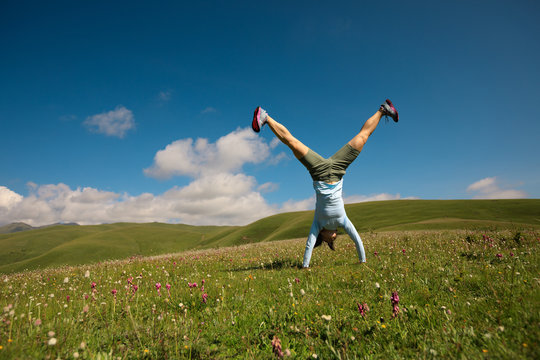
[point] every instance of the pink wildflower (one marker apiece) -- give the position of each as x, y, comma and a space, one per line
362, 308
276, 347
499, 256
204, 297
297, 280
135, 288
395, 301
511, 254
67, 298
130, 280
403, 251
113, 291
93, 286
192, 285
376, 253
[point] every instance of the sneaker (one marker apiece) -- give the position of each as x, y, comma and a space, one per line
259, 119
388, 109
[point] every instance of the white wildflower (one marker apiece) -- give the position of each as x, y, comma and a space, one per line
326, 317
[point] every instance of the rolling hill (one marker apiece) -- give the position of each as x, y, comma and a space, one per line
20, 226
14, 227
73, 245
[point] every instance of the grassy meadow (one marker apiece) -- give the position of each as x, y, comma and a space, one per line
469, 294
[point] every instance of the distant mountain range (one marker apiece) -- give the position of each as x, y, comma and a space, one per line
20, 226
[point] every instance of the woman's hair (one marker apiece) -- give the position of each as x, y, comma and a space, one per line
319, 240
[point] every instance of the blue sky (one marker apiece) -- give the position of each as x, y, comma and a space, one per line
140, 111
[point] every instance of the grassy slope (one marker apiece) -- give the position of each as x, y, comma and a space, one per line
399, 215
59, 245
15, 227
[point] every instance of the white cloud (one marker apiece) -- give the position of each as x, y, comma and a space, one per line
164, 96
218, 199
113, 123
488, 188
274, 142
209, 110
298, 205
268, 187
485, 185
67, 118
8, 198
374, 197
229, 153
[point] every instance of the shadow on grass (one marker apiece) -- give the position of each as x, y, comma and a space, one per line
275, 265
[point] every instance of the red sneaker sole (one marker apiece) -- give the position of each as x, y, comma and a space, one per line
255, 122
392, 106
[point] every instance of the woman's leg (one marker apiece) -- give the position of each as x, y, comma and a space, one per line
360, 139
298, 148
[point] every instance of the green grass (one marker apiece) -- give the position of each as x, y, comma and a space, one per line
73, 245
458, 299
